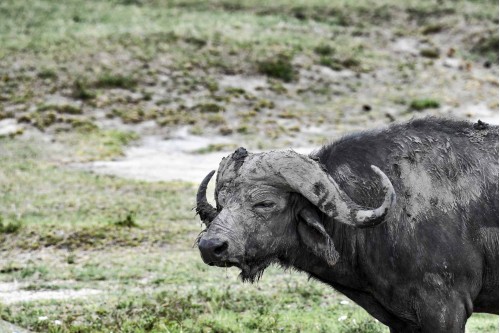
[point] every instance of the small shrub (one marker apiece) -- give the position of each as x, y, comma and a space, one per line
210, 108
216, 119
32, 270
83, 125
235, 91
69, 109
487, 45
10, 227
129, 116
42, 120
278, 67
47, 73
331, 63
128, 221
422, 104
432, 29
63, 108
324, 50
109, 80
339, 64
71, 259
243, 129
432, 53
81, 91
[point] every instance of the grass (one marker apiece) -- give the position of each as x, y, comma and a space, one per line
81, 90
182, 295
49, 27
10, 227
149, 277
132, 61
110, 80
215, 147
166, 56
278, 67
424, 103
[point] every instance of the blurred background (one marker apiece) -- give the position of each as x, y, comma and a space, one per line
111, 113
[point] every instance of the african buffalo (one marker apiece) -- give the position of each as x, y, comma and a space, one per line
423, 260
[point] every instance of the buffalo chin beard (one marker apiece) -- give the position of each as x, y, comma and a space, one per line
253, 271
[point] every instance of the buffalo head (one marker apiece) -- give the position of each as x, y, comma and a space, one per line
270, 204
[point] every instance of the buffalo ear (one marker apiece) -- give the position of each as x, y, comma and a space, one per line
314, 236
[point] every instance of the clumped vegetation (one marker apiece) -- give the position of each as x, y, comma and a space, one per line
110, 80
487, 45
9, 227
279, 67
430, 53
81, 90
215, 147
128, 221
324, 50
424, 103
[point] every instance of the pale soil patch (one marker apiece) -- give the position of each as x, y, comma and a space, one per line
156, 159
6, 327
11, 292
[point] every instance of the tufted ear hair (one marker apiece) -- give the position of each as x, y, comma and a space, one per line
314, 236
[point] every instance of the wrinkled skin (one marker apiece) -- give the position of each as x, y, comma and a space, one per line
254, 245
421, 263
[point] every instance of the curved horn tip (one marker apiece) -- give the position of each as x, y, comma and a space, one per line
203, 208
370, 218
210, 174
377, 170
386, 182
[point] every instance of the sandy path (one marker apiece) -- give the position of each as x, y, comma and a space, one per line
12, 292
155, 159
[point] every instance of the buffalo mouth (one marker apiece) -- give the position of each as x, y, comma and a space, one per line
226, 263
250, 271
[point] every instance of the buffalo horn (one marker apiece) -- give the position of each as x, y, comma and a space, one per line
306, 176
206, 211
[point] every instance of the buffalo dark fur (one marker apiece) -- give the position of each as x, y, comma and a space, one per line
414, 241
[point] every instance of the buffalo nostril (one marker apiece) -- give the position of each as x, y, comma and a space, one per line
212, 249
221, 249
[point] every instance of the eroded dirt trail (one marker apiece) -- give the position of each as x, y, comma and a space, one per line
179, 158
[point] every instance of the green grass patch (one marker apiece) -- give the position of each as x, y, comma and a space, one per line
47, 73
61, 108
215, 147
9, 227
129, 221
46, 198
278, 67
430, 52
82, 91
487, 45
98, 144
424, 103
111, 80
209, 108
324, 50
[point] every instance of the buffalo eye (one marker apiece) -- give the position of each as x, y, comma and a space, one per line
264, 205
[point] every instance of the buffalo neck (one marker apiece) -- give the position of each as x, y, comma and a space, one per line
346, 272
